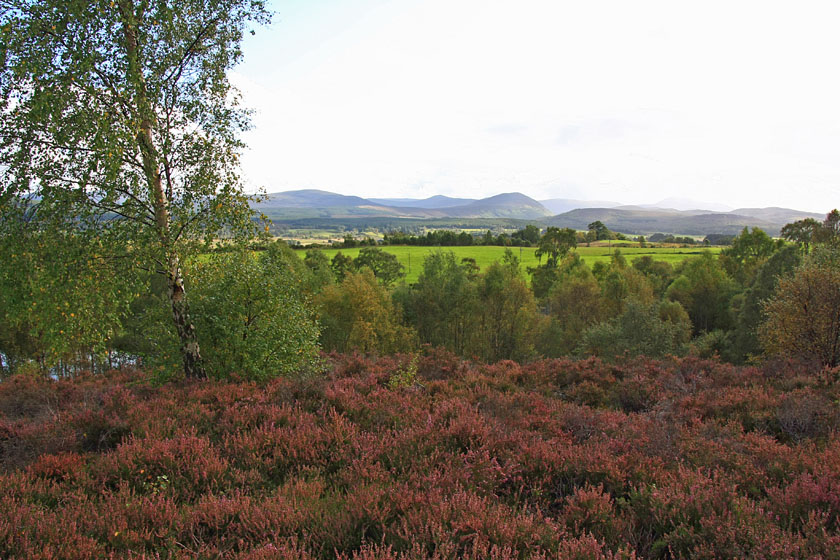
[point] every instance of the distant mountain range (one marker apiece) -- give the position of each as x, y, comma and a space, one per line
437, 201
327, 204
673, 215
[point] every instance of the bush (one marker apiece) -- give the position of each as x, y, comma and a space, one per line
637, 331
251, 315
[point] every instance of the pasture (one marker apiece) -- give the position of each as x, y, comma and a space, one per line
411, 257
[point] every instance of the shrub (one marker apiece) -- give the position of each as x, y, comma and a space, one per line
252, 318
685, 458
639, 330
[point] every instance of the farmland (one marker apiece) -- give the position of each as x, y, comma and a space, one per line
411, 257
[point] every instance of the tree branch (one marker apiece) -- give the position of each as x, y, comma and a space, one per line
175, 74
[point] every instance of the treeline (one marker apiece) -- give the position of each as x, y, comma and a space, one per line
529, 236
267, 313
739, 305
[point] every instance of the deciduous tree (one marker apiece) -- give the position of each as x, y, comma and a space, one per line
554, 244
441, 305
117, 116
803, 317
358, 314
384, 266
704, 290
802, 232
749, 250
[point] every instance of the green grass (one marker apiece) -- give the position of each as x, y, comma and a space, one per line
412, 257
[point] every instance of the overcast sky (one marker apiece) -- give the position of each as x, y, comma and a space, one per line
735, 102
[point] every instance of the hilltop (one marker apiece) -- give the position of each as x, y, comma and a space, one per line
640, 220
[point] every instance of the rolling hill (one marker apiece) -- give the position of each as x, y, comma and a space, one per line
318, 205
778, 215
310, 198
637, 220
323, 204
506, 205
433, 202
561, 205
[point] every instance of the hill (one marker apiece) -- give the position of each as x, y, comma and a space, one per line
437, 201
685, 204
561, 205
315, 206
310, 198
637, 220
778, 215
322, 204
506, 205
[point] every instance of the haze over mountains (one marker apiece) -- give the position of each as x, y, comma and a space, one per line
672, 215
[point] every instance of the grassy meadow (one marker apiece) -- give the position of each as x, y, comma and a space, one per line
411, 257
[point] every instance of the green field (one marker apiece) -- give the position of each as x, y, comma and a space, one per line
412, 257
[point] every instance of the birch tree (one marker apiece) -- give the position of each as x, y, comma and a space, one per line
118, 117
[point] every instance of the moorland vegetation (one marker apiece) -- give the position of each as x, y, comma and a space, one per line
427, 456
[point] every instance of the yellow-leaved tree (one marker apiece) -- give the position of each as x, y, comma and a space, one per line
802, 319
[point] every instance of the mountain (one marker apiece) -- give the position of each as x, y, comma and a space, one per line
506, 205
684, 204
322, 204
560, 205
648, 220
437, 201
311, 204
310, 198
775, 214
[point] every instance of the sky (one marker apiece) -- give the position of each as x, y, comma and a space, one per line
732, 102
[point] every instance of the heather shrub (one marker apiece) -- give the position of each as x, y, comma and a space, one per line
550, 459
184, 467
633, 394
60, 467
590, 510
438, 363
805, 414
99, 431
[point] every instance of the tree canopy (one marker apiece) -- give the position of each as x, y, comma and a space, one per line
802, 319
117, 118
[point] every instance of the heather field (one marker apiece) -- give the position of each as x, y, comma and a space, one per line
432, 457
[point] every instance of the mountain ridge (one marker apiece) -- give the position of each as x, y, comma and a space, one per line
631, 219
504, 205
